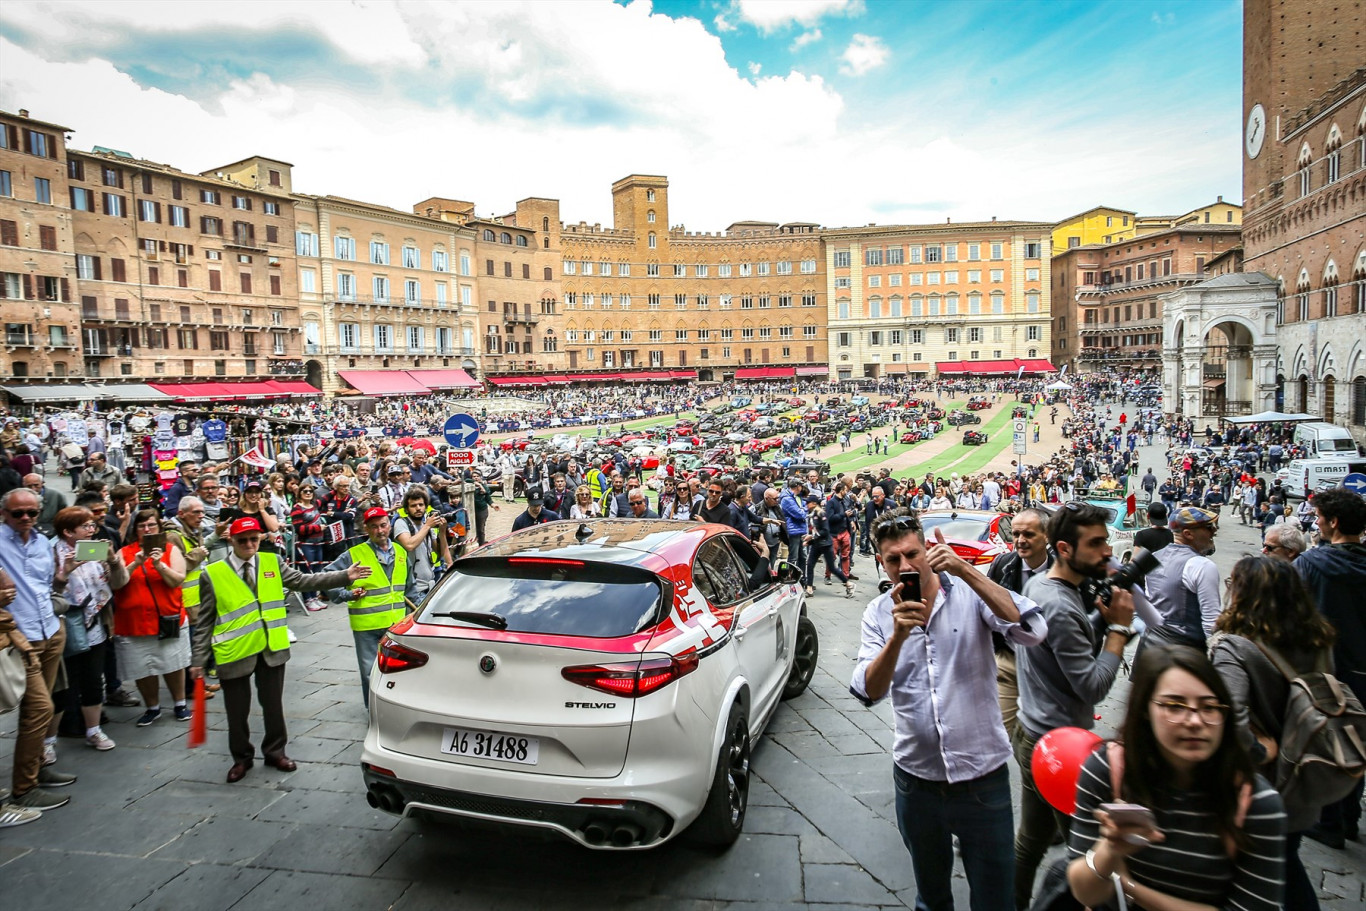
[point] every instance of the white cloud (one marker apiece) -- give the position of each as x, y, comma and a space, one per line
1160, 19
804, 39
499, 101
864, 53
774, 15
755, 67
722, 23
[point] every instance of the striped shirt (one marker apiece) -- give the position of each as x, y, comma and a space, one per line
1192, 863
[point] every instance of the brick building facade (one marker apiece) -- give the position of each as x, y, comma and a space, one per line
1304, 188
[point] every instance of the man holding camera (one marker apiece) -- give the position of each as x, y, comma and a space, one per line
932, 654
1063, 678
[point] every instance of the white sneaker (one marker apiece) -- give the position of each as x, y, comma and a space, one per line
100, 741
292, 638
314, 605
849, 589
14, 815
49, 754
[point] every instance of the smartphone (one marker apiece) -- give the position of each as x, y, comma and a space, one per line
1130, 814
152, 542
92, 551
910, 586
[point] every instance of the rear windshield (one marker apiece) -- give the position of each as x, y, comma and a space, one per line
962, 529
594, 600
1337, 445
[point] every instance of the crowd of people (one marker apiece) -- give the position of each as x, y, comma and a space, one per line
116, 601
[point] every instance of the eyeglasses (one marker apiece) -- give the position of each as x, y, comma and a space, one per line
1211, 713
902, 523
637, 502
88, 525
24, 513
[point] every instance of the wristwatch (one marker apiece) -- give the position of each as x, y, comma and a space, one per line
1128, 631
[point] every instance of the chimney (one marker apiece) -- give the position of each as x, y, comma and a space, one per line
23, 112
1221, 199
993, 218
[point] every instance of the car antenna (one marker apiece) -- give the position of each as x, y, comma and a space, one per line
583, 533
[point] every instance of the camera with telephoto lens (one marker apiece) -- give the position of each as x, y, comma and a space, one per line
1127, 576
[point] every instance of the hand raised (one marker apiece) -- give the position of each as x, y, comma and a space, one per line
943, 558
355, 572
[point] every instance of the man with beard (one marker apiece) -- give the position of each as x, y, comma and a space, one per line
1063, 678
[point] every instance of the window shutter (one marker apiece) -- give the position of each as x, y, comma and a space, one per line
275, 284
246, 282
215, 280
153, 276
183, 278
66, 289
116, 268
96, 261
28, 287
161, 245
190, 250
9, 233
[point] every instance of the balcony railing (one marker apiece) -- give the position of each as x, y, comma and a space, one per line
1114, 287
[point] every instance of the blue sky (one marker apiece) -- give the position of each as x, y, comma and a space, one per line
835, 111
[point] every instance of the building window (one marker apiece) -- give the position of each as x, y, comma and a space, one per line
651, 241
379, 253
1305, 165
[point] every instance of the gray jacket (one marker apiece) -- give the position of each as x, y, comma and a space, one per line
1062, 678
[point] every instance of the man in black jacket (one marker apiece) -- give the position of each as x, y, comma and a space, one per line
1031, 557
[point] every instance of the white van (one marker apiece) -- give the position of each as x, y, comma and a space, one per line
1325, 441
1304, 476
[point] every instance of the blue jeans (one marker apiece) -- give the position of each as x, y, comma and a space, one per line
367, 647
930, 813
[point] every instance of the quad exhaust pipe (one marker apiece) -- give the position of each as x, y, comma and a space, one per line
384, 798
618, 835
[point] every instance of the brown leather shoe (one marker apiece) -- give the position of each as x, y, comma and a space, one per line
281, 762
239, 770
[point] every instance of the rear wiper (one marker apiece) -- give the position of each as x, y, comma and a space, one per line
493, 621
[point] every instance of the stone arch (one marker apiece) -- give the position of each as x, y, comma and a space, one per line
1327, 363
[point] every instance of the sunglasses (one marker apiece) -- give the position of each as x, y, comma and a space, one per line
904, 523
24, 513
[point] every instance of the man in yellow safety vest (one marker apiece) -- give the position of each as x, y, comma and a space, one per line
378, 601
242, 623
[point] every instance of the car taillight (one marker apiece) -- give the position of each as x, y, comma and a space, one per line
983, 558
631, 680
393, 657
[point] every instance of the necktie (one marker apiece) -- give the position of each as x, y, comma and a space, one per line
249, 577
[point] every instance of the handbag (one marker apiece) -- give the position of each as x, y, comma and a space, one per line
13, 678
168, 626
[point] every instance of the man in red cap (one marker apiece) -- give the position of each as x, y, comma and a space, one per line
242, 621
380, 599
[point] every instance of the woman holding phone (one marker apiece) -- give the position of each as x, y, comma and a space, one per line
90, 585
151, 627
1176, 817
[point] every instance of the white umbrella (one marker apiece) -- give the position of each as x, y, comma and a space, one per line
1059, 385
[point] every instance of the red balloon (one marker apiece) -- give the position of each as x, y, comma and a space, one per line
1056, 764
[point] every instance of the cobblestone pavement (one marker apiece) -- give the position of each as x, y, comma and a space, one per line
152, 825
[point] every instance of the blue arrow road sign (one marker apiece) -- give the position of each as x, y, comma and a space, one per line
461, 431
1356, 482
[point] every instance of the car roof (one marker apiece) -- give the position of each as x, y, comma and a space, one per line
651, 544
984, 514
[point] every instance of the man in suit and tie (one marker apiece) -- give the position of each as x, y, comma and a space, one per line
242, 620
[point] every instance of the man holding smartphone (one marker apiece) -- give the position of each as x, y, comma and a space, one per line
933, 656
1063, 678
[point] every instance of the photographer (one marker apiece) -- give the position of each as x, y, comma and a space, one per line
420, 530
1063, 678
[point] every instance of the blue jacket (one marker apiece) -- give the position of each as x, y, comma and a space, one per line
793, 512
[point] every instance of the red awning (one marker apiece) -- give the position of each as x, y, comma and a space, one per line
751, 373
205, 391
444, 379
294, 387
1038, 365
993, 366
682, 374
383, 382
943, 367
781, 372
812, 371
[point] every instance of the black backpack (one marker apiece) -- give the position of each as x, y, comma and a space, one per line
1321, 755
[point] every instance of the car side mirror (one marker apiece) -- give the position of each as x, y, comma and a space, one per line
788, 573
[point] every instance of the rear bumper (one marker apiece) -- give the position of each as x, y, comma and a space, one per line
622, 826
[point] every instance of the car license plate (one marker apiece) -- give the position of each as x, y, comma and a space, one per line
490, 745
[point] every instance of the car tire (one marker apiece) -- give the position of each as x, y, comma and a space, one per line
805, 654
723, 815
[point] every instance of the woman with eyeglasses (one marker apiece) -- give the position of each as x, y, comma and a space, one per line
1269, 612
151, 626
90, 587
1216, 837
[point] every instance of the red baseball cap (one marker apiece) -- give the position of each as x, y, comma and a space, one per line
375, 512
243, 525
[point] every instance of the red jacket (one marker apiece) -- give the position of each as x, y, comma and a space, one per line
146, 595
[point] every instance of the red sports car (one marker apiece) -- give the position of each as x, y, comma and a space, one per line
976, 535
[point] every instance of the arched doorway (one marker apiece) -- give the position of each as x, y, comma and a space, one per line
1329, 398
1302, 394
313, 372
1280, 392
1226, 373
